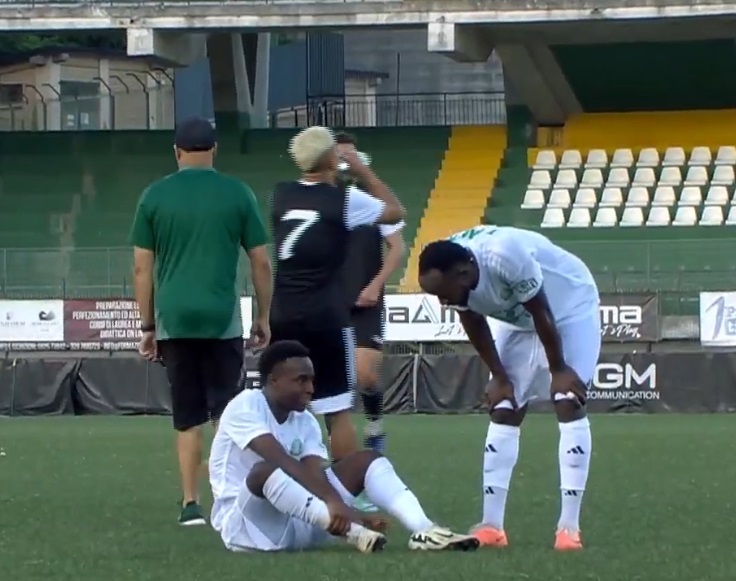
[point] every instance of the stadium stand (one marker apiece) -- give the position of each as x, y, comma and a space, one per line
461, 190
68, 198
646, 199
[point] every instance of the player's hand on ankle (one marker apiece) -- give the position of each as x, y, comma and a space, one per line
499, 390
341, 517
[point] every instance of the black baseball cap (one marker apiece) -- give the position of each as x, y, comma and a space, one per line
195, 134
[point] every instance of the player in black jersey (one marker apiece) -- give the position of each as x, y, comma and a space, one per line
366, 271
311, 220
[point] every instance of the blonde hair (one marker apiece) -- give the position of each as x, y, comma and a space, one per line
309, 145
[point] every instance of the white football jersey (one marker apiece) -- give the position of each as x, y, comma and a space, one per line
245, 418
514, 264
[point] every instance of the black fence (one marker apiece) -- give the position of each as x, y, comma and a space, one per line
432, 384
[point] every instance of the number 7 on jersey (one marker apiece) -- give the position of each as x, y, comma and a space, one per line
306, 219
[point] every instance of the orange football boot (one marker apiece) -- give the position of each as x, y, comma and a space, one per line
567, 540
489, 536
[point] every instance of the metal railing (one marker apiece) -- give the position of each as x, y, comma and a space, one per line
121, 109
396, 110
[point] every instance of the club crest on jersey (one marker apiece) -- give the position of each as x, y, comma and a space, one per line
296, 448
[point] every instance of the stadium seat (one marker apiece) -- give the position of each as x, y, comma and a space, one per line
605, 218
726, 155
717, 196
674, 156
670, 176
648, 157
690, 196
696, 176
553, 218
637, 198
618, 178
664, 196
597, 158
711, 216
579, 218
622, 158
585, 198
723, 176
731, 218
658, 216
566, 178
632, 217
546, 160
644, 176
592, 178
684, 216
559, 198
612, 197
571, 159
700, 156
540, 180
533, 200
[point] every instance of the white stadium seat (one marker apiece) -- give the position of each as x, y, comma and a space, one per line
726, 155
605, 218
664, 196
648, 157
553, 218
533, 200
597, 158
592, 178
585, 198
559, 198
717, 196
658, 216
618, 178
700, 156
711, 216
731, 218
690, 196
637, 198
644, 176
622, 158
674, 156
579, 218
670, 176
540, 180
612, 197
685, 216
571, 159
696, 176
723, 176
632, 217
566, 178
546, 159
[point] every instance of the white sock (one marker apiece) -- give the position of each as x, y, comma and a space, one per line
289, 497
386, 490
574, 452
499, 458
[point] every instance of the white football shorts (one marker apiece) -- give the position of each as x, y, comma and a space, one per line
253, 524
522, 355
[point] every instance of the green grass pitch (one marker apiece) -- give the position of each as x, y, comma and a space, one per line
95, 499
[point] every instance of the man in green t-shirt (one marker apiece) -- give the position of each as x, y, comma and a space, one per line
187, 233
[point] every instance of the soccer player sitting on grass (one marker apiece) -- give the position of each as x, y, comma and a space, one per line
270, 487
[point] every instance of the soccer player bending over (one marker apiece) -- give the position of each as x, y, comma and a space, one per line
270, 487
548, 303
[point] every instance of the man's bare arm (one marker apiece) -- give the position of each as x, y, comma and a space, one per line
260, 265
393, 211
143, 261
268, 448
394, 259
479, 334
544, 323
